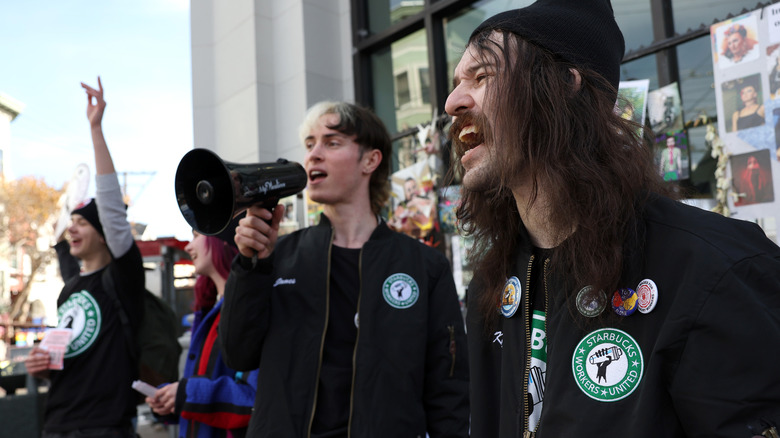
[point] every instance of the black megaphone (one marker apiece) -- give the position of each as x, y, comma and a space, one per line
211, 192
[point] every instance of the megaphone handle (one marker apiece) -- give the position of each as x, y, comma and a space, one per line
270, 205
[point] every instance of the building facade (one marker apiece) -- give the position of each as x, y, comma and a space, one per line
259, 64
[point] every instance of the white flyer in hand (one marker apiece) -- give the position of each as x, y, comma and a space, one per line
144, 388
56, 343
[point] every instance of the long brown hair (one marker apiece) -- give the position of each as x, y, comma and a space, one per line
593, 168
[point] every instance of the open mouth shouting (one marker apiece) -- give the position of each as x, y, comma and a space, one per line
316, 176
467, 132
470, 137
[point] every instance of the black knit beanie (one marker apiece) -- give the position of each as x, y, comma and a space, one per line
583, 32
88, 210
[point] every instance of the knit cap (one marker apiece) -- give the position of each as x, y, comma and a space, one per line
88, 210
583, 32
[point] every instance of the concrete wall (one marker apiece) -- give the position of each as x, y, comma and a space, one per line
257, 65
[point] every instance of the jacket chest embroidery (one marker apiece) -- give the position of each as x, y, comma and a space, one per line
607, 365
400, 291
280, 281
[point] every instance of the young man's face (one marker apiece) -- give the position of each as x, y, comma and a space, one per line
334, 164
85, 241
465, 102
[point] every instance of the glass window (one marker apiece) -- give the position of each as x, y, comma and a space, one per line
458, 28
398, 91
698, 98
642, 68
635, 20
690, 14
696, 79
402, 92
425, 85
384, 13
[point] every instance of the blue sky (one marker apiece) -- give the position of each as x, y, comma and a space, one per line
141, 50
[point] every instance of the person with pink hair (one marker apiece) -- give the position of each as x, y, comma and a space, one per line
211, 399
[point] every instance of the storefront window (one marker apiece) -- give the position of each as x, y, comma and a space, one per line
458, 28
642, 68
690, 14
398, 87
635, 20
384, 13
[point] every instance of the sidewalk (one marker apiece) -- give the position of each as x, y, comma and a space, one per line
146, 429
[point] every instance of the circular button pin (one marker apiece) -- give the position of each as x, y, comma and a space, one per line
590, 302
510, 301
647, 293
624, 301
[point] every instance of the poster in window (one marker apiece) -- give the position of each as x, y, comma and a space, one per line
632, 100
746, 71
414, 203
664, 109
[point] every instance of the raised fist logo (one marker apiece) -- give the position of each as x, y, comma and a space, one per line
602, 358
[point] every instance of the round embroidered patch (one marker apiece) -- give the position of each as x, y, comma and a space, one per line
607, 365
510, 301
81, 313
400, 291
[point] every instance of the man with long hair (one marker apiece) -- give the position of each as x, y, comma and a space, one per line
573, 233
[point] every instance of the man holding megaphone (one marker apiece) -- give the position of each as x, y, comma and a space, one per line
356, 328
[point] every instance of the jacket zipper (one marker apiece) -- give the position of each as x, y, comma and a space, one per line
453, 347
322, 340
357, 339
527, 371
529, 317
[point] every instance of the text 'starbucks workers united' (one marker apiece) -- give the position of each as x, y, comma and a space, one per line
607, 365
400, 291
80, 312
538, 373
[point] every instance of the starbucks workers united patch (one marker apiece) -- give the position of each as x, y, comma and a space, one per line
400, 291
607, 365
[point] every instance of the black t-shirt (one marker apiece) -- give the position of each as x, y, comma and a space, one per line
94, 388
331, 416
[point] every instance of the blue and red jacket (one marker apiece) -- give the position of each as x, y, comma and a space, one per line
212, 400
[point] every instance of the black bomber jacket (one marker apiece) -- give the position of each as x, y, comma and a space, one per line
705, 362
411, 370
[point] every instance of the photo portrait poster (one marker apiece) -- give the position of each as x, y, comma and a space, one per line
632, 100
745, 51
664, 109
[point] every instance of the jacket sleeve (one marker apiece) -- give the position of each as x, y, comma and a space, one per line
727, 381
446, 381
225, 402
69, 266
246, 312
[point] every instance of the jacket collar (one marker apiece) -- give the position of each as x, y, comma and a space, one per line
380, 232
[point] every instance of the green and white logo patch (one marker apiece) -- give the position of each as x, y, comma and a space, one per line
400, 291
607, 365
81, 313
